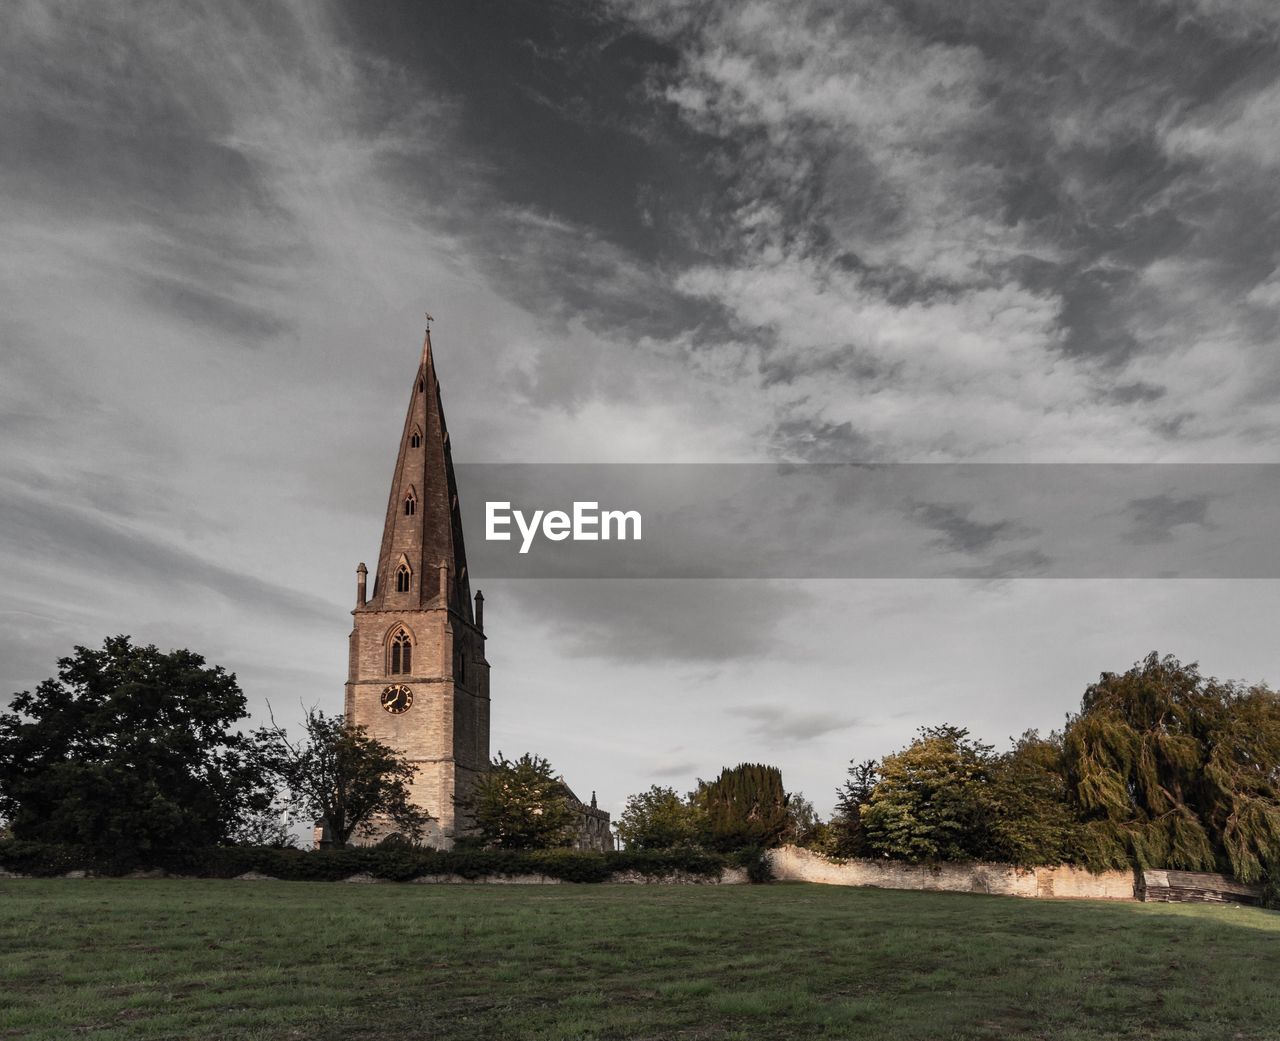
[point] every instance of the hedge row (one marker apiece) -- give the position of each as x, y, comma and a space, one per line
393, 865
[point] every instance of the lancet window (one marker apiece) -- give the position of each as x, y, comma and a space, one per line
401, 653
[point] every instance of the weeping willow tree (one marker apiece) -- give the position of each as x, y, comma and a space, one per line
1173, 769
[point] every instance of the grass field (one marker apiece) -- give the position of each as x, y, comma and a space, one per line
113, 959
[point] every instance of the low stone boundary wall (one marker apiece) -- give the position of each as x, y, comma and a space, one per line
727, 877
802, 865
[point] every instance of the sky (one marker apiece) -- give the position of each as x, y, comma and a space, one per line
650, 231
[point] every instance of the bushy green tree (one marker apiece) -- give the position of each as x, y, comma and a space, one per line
949, 797
129, 749
342, 774
521, 804
1032, 818
929, 801
1173, 769
745, 806
660, 819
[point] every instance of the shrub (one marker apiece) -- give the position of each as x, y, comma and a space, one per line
660, 819
390, 864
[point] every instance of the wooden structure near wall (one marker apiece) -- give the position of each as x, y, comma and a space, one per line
1199, 887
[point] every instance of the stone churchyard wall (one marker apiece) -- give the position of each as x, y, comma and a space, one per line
791, 863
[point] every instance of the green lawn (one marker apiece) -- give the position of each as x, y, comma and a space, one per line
212, 959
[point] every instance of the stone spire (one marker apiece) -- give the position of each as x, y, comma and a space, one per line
422, 539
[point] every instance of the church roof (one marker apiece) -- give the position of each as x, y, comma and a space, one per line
423, 529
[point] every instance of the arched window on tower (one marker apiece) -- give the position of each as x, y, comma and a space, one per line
410, 504
415, 439
402, 578
401, 653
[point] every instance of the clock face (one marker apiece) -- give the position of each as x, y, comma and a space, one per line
397, 699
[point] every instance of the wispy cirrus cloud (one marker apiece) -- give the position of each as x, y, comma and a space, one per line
968, 228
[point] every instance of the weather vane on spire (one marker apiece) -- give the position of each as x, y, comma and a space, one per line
427, 315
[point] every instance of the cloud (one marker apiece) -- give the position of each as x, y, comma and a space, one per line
72, 540
951, 240
651, 231
1127, 393
1155, 519
813, 439
634, 621
682, 768
963, 534
792, 724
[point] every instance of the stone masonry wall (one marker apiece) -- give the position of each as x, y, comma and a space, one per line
791, 863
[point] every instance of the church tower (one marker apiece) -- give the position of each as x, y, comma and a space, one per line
417, 677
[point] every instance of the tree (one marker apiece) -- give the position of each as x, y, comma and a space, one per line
127, 750
1033, 820
1172, 769
804, 827
929, 801
521, 804
848, 837
342, 774
745, 806
659, 819
268, 826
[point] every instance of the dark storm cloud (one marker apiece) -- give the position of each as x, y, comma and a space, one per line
1154, 519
